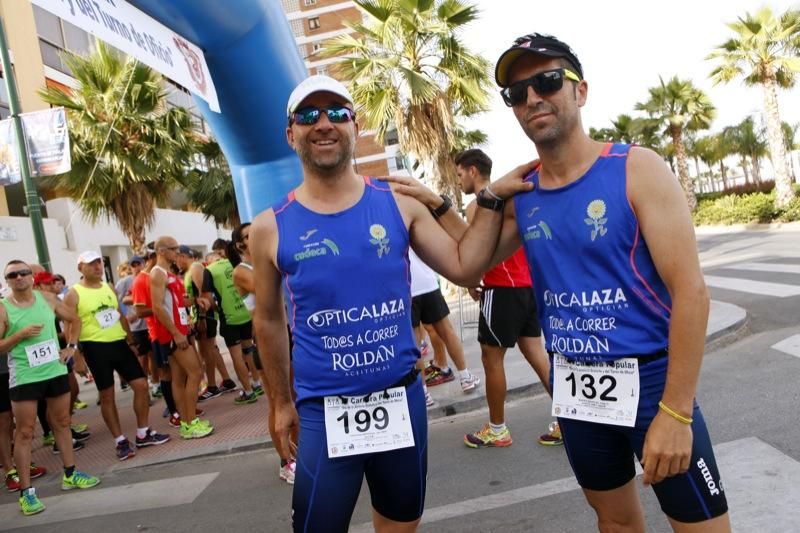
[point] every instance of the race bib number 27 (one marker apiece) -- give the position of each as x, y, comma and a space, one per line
377, 423
605, 393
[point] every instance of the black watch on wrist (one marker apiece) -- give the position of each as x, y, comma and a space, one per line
486, 201
442, 209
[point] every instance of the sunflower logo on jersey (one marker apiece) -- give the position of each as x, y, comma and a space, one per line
596, 211
379, 239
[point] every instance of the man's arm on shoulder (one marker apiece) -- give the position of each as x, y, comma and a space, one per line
269, 319
666, 225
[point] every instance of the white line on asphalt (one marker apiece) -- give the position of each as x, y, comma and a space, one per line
767, 267
790, 345
113, 500
763, 288
715, 261
760, 485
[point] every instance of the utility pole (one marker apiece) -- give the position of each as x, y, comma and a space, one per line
31, 196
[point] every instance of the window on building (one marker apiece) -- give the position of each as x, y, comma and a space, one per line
4, 107
310, 2
316, 47
313, 23
57, 37
322, 70
297, 27
400, 162
391, 138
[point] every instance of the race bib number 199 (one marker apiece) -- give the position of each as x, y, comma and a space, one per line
378, 424
605, 393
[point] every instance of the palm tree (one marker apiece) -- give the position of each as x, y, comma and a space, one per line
721, 148
749, 144
128, 149
765, 52
679, 106
210, 189
408, 69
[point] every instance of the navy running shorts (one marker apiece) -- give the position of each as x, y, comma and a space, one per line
602, 455
326, 490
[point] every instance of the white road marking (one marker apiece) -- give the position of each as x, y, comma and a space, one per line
763, 288
767, 267
790, 345
760, 484
99, 501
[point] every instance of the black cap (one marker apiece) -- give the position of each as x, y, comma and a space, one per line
136, 259
534, 43
185, 250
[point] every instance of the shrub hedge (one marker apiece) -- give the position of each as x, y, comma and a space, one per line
746, 208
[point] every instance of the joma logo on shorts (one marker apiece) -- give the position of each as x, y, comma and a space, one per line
707, 477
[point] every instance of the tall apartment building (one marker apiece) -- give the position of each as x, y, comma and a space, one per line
314, 21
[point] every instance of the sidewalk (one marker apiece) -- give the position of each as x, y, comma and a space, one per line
240, 428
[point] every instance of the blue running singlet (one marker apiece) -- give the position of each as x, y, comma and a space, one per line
597, 290
347, 286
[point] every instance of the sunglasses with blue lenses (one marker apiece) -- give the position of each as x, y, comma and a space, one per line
544, 83
308, 116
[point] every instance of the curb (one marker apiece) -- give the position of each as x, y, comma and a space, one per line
736, 228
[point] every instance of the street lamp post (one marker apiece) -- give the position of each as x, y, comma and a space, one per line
31, 196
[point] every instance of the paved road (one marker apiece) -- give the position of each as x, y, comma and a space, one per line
748, 391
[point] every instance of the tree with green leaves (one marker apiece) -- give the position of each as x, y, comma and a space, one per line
678, 106
765, 51
128, 149
408, 68
210, 189
748, 142
790, 143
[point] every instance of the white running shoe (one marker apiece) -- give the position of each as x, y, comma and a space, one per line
469, 383
286, 472
429, 401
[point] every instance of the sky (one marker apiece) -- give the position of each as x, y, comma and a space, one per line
624, 46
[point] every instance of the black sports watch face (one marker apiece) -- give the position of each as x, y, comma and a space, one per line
486, 201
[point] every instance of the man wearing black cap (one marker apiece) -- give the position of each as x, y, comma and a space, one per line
623, 304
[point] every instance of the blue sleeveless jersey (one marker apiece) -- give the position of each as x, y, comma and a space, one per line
599, 295
347, 286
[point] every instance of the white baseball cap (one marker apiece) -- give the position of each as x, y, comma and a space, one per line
88, 256
315, 84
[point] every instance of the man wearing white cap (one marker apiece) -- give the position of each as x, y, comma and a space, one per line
337, 248
105, 339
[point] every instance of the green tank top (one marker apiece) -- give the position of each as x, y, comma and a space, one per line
97, 309
233, 308
35, 359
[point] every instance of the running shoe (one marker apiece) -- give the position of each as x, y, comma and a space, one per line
75, 447
486, 438
209, 393
37, 471
49, 439
29, 502
78, 480
286, 472
175, 420
79, 427
165, 413
89, 379
78, 404
12, 480
155, 391
123, 386
227, 385
469, 383
151, 439
80, 436
552, 437
124, 450
195, 430
258, 390
439, 376
245, 398
429, 401
430, 368
198, 411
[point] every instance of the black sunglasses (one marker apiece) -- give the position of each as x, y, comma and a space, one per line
18, 274
308, 116
544, 83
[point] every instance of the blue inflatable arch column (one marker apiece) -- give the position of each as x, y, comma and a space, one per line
254, 63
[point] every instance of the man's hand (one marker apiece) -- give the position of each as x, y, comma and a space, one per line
286, 423
475, 293
416, 189
512, 183
203, 303
80, 367
667, 449
28, 332
181, 342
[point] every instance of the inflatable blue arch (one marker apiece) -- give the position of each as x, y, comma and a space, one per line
255, 64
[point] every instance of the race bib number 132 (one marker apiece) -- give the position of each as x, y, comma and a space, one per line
605, 393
